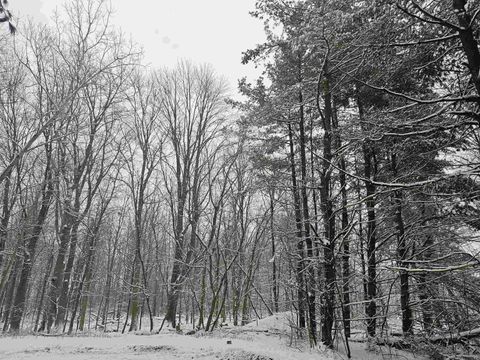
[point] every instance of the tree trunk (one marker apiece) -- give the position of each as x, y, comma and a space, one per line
40, 308
64, 290
5, 215
369, 173
135, 293
312, 322
402, 251
203, 293
424, 280
301, 295
327, 208
58, 270
275, 289
469, 43
10, 293
345, 231
175, 285
172, 298
87, 279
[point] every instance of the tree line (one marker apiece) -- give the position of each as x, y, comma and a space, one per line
342, 187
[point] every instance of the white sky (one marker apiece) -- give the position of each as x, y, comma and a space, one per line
204, 31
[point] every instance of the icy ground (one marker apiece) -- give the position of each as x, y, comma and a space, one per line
263, 340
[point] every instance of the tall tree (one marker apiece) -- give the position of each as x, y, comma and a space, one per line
144, 141
192, 106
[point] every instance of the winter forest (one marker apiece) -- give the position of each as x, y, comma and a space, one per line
328, 209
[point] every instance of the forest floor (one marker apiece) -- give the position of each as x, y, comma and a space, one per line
265, 339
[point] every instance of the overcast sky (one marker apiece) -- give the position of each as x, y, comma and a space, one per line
206, 31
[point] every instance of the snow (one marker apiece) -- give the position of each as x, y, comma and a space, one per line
279, 322
162, 346
269, 338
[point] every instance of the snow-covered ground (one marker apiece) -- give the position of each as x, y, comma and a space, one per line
269, 338
163, 346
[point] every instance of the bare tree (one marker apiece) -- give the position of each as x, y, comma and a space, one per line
192, 107
143, 143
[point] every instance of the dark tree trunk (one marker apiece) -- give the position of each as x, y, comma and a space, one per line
110, 267
135, 292
87, 278
469, 43
5, 215
424, 281
326, 207
275, 288
40, 308
175, 280
402, 251
10, 293
369, 173
64, 290
345, 231
58, 270
174, 291
312, 322
301, 295
78, 282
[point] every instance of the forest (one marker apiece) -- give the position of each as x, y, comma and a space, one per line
341, 187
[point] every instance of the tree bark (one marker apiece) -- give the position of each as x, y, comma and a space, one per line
312, 322
301, 295
326, 206
469, 43
402, 251
369, 173
58, 270
345, 230
5, 215
275, 288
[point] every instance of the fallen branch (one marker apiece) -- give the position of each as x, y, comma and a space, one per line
455, 338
